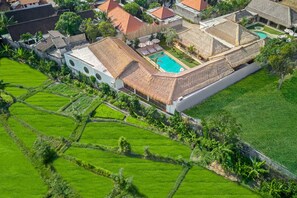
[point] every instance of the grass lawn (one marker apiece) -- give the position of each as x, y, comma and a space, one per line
265, 29
200, 182
15, 91
48, 101
184, 58
20, 74
63, 89
136, 121
48, 124
154, 179
86, 183
18, 177
23, 133
268, 116
104, 111
80, 105
108, 134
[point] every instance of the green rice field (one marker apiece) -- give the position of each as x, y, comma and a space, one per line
18, 177
108, 133
104, 111
49, 111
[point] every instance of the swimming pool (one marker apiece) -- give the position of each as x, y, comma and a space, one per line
166, 62
262, 35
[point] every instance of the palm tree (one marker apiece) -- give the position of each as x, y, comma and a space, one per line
256, 170
222, 153
20, 54
4, 22
191, 49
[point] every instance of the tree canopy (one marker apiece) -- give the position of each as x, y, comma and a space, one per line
73, 5
133, 8
69, 23
170, 36
279, 56
106, 29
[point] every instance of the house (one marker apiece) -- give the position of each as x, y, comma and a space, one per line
122, 20
31, 13
273, 14
111, 61
191, 9
56, 44
164, 15
32, 23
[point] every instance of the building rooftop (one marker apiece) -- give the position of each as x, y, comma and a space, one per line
108, 5
198, 5
124, 21
274, 12
24, 2
163, 13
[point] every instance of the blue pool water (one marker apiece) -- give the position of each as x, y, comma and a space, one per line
166, 62
262, 35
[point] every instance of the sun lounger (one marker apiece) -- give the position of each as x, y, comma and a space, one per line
144, 52
158, 48
151, 50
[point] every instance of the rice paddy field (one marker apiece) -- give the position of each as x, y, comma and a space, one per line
267, 115
48, 111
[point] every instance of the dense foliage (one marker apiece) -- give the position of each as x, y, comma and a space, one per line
69, 23
279, 56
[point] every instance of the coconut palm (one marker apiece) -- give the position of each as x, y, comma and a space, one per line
6, 51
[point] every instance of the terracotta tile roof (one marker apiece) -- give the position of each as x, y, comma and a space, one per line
195, 4
124, 21
163, 13
108, 5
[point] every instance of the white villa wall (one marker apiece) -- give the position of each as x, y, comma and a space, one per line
202, 94
181, 10
79, 67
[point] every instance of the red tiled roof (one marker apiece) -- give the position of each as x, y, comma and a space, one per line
108, 5
124, 21
163, 13
196, 4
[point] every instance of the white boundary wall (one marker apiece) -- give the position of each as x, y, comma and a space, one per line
202, 94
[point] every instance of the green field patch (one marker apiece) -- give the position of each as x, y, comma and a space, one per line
153, 179
136, 121
48, 101
63, 89
104, 111
108, 133
48, 124
267, 115
16, 91
20, 74
18, 178
200, 182
23, 133
86, 183
80, 105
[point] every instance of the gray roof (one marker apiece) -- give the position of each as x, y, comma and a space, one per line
238, 16
44, 45
274, 12
80, 38
55, 33
59, 42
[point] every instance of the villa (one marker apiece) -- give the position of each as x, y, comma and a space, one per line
164, 15
115, 63
122, 20
191, 9
273, 14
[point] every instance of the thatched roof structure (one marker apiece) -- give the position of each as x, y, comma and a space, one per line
124, 63
232, 33
204, 43
275, 12
242, 54
239, 16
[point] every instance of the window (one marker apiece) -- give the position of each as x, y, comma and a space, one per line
98, 76
86, 70
71, 63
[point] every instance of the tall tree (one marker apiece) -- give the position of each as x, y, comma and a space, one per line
170, 36
106, 29
279, 56
69, 23
133, 8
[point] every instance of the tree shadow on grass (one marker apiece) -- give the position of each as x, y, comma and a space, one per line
289, 90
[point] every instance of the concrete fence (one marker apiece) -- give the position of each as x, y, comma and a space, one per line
202, 94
